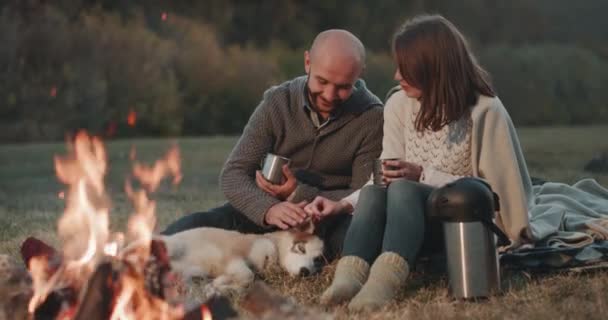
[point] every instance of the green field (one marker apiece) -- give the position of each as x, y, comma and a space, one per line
29, 206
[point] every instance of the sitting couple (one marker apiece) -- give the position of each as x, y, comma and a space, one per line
443, 122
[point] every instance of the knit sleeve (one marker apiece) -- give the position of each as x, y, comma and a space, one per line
500, 161
237, 179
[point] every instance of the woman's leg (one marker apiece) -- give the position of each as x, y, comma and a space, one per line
362, 245
403, 237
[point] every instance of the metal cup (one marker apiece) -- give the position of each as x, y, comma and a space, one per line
272, 167
377, 170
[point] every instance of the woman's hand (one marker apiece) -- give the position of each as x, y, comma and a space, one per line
398, 169
322, 207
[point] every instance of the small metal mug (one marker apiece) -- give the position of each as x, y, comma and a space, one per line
377, 170
272, 167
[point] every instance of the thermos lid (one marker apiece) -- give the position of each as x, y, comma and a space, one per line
467, 200
464, 200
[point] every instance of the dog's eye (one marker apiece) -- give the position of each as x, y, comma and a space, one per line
299, 247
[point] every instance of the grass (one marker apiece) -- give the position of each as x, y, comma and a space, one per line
29, 206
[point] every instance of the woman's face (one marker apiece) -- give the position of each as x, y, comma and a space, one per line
409, 90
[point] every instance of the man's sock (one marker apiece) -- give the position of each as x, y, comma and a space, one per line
387, 276
351, 273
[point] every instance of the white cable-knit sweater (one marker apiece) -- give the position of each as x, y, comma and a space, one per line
483, 145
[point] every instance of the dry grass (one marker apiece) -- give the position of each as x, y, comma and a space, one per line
29, 206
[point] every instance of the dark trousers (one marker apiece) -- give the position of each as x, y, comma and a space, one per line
332, 229
393, 219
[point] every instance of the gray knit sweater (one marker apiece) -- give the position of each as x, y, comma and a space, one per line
331, 161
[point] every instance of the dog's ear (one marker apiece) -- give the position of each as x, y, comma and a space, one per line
299, 247
307, 226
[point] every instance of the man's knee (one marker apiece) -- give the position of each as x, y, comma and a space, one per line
220, 217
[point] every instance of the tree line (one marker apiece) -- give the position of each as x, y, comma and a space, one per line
166, 68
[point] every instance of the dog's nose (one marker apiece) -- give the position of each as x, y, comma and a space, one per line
318, 262
304, 272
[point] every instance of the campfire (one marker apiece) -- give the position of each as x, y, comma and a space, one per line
98, 274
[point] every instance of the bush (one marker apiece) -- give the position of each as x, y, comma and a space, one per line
549, 84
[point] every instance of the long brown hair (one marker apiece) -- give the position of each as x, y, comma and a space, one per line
433, 56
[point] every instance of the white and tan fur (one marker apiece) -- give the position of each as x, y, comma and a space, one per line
231, 258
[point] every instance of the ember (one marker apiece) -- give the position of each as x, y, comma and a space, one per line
131, 118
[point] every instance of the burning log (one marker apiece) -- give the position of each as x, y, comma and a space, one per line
35, 248
264, 303
97, 301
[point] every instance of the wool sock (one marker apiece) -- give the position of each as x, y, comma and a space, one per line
386, 277
351, 273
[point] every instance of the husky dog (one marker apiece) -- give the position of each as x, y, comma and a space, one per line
232, 258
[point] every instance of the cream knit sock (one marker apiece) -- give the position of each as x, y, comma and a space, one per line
351, 273
387, 276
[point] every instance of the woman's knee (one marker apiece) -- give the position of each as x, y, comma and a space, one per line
371, 203
408, 189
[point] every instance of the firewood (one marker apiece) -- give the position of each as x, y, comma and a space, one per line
96, 303
32, 247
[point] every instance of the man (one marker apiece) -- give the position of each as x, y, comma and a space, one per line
326, 122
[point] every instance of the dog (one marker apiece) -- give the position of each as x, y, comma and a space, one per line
231, 259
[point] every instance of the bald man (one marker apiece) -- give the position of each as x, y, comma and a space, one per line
326, 122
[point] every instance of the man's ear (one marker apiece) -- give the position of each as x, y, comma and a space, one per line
307, 62
307, 227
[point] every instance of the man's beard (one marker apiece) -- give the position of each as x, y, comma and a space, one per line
313, 96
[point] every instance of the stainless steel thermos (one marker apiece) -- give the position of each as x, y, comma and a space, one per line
466, 209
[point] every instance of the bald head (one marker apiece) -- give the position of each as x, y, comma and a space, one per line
334, 63
338, 44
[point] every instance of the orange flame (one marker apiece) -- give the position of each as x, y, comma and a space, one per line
84, 230
150, 176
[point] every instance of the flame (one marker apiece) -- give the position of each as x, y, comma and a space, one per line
53, 92
84, 230
131, 118
164, 16
205, 312
150, 176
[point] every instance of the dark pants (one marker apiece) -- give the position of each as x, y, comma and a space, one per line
393, 219
332, 229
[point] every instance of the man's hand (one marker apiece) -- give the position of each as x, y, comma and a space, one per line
322, 207
286, 214
397, 169
279, 191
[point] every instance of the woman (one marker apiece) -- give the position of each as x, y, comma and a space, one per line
444, 123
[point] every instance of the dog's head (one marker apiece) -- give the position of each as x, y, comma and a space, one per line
300, 251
